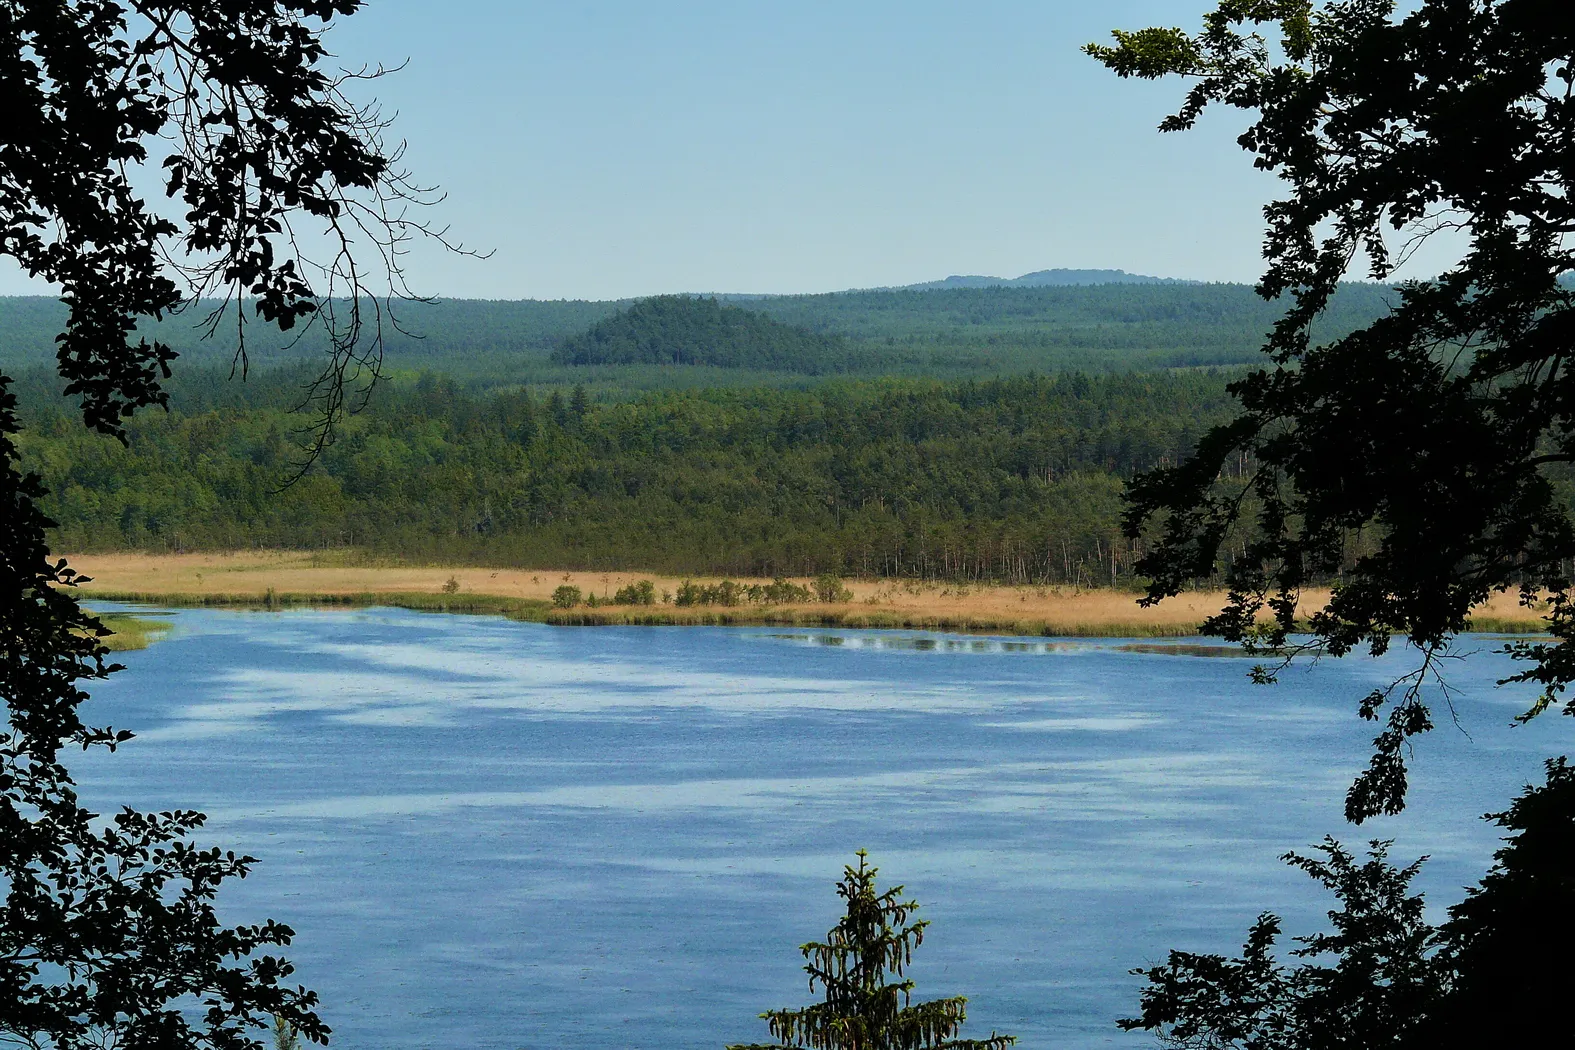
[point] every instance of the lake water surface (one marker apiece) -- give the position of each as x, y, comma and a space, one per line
492, 834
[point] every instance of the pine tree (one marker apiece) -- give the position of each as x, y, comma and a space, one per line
579, 403
862, 1009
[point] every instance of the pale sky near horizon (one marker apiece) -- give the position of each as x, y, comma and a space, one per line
612, 149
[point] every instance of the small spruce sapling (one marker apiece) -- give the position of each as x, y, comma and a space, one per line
863, 1010
829, 590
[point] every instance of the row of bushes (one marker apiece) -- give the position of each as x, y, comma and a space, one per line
826, 589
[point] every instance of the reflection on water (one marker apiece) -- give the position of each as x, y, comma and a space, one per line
1186, 649
922, 643
501, 835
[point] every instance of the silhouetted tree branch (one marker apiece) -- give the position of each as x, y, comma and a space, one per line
288, 205
1441, 428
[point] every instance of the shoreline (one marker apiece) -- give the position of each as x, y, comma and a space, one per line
527, 611
287, 579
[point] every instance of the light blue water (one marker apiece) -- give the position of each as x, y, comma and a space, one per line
492, 834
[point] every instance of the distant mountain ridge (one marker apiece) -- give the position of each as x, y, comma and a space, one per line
1043, 279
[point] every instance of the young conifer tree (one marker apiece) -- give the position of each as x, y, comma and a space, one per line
863, 1010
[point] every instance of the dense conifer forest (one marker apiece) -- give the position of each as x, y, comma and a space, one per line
1013, 479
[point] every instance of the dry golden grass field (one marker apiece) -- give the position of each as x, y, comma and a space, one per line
295, 578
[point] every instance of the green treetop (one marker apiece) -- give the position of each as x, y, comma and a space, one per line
863, 1010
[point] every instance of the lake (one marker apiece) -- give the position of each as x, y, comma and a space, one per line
494, 834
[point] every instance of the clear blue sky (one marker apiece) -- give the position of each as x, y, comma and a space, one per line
607, 149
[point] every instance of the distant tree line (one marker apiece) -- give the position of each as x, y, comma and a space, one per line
1225, 308
1016, 479
940, 333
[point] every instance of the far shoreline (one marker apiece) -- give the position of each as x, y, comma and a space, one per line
296, 579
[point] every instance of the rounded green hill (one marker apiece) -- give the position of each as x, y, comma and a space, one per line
686, 330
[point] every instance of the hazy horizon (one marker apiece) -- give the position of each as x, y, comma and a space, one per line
936, 284
616, 150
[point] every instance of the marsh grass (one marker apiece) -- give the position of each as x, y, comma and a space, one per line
292, 579
131, 631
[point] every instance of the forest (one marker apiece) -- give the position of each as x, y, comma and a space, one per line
964, 433
1015, 479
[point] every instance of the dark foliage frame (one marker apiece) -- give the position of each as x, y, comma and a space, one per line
288, 207
1443, 428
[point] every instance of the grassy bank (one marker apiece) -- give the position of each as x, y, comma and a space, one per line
532, 611
477, 604
279, 580
130, 631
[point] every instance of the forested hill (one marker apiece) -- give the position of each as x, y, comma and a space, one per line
688, 330
949, 332
1016, 479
